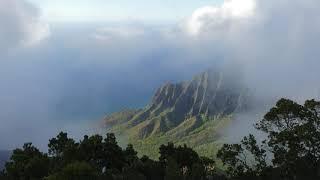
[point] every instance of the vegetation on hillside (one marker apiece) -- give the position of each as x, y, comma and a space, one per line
291, 151
203, 138
191, 112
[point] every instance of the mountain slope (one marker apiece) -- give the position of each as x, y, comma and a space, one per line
191, 112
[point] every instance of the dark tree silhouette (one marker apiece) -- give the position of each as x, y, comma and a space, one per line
27, 163
292, 145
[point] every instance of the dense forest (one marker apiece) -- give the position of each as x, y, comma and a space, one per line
291, 150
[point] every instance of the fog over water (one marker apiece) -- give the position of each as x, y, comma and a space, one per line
67, 76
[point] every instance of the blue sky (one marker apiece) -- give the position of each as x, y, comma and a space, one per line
117, 10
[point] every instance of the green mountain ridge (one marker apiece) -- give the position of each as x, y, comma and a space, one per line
194, 112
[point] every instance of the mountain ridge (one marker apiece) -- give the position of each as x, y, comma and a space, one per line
177, 110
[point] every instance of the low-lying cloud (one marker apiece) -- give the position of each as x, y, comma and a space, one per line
276, 42
86, 70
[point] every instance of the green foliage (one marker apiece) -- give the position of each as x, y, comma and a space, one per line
98, 158
172, 170
293, 145
92, 150
183, 155
28, 163
75, 171
201, 134
182, 162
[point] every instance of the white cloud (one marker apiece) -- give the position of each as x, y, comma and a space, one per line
275, 41
20, 24
239, 8
219, 15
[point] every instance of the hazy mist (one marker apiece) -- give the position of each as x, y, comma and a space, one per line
62, 76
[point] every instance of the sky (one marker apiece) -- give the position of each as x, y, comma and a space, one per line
117, 10
64, 65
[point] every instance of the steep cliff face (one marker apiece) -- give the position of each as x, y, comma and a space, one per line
177, 109
210, 93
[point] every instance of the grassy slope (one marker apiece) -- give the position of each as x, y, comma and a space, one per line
202, 134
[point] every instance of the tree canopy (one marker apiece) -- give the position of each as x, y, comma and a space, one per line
291, 149
95, 157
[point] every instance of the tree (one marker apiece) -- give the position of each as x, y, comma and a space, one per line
188, 161
62, 145
76, 171
209, 165
183, 155
91, 150
198, 172
130, 154
152, 170
27, 163
293, 144
96, 158
112, 154
173, 171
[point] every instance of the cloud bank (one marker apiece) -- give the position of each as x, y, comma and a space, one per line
86, 70
20, 24
276, 42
